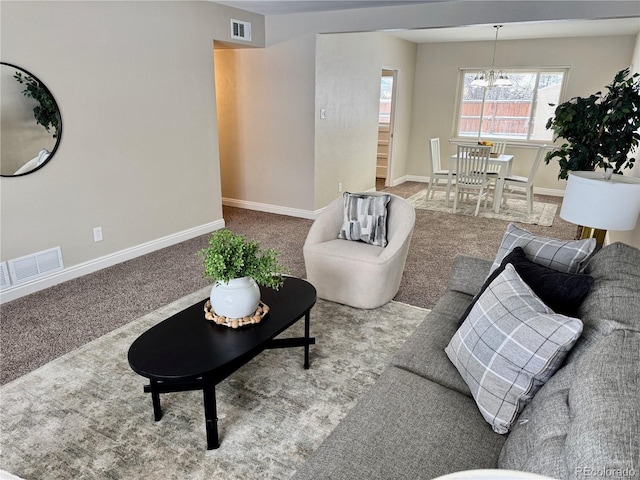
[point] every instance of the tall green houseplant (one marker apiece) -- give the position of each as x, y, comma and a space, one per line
600, 131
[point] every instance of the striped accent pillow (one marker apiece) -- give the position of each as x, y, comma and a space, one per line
365, 218
510, 344
567, 256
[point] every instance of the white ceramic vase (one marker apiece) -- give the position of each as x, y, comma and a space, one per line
236, 299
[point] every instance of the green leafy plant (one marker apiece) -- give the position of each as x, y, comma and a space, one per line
46, 112
230, 256
600, 130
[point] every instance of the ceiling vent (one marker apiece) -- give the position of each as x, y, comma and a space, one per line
30, 267
240, 30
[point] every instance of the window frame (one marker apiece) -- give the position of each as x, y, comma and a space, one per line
456, 137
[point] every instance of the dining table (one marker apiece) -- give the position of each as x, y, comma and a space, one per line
503, 161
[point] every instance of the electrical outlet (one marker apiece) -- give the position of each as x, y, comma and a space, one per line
97, 234
340, 187
323, 114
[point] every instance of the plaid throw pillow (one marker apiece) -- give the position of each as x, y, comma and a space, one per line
563, 255
509, 346
365, 218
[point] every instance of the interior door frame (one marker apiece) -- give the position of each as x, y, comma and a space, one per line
388, 182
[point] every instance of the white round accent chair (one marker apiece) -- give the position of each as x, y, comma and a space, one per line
356, 273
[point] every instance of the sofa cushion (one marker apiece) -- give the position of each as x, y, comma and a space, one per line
405, 427
615, 295
365, 218
423, 352
510, 344
584, 421
614, 299
537, 438
604, 435
562, 255
561, 292
468, 274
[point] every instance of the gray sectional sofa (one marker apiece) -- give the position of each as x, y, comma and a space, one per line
420, 421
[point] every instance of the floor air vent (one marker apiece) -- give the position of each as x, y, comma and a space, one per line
30, 267
4, 276
240, 30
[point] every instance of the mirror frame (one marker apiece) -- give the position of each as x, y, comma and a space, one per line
59, 131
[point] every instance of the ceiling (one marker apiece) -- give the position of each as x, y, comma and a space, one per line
524, 30
282, 7
514, 31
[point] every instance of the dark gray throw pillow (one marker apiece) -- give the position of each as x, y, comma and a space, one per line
561, 292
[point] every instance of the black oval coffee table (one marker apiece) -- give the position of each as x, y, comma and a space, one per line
186, 352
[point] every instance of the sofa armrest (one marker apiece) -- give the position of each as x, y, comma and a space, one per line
468, 274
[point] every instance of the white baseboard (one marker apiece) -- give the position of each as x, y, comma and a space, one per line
412, 178
265, 207
91, 266
553, 192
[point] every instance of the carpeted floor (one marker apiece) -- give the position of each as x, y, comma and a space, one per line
85, 416
40, 327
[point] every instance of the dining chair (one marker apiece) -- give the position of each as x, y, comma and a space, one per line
498, 148
437, 172
515, 185
471, 174
493, 170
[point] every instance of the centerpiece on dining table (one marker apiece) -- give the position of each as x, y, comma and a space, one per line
487, 143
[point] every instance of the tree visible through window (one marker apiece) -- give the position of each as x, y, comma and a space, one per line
519, 112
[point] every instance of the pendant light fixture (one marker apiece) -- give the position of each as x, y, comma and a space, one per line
490, 78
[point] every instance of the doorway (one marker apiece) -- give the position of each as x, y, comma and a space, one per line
388, 94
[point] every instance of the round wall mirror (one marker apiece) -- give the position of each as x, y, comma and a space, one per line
30, 122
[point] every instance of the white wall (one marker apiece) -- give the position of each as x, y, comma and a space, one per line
287, 141
592, 63
266, 125
348, 71
139, 151
275, 153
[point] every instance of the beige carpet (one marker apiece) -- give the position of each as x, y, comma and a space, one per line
515, 209
85, 416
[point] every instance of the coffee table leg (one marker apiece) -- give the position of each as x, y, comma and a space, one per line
155, 400
307, 327
210, 414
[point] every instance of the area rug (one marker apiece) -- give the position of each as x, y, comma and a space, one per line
85, 416
515, 209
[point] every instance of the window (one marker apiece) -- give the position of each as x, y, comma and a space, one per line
386, 92
519, 112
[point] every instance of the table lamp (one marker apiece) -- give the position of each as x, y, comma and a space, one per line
600, 201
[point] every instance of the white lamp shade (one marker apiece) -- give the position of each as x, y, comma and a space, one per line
502, 81
480, 82
592, 201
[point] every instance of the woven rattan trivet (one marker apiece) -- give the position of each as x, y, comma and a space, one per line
257, 317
